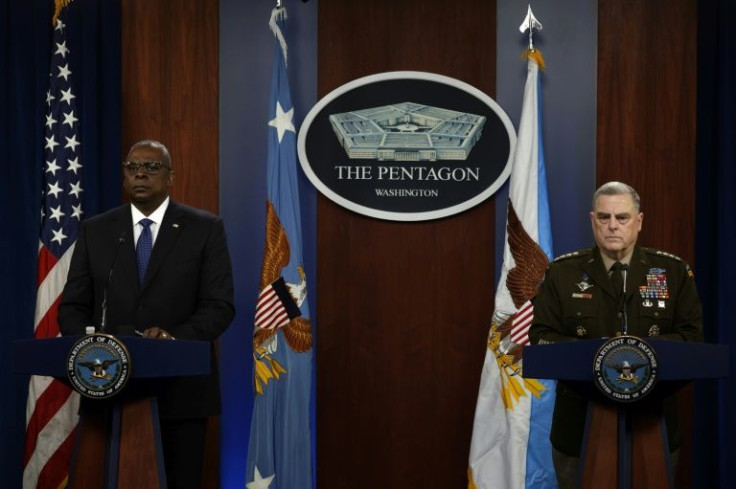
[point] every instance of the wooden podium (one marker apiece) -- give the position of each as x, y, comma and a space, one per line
118, 443
625, 444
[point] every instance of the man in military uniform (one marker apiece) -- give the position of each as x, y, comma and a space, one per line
580, 299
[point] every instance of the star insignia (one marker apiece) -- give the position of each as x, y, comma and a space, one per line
69, 118
77, 212
259, 482
54, 189
56, 213
64, 72
283, 121
51, 167
50, 121
76, 189
62, 49
74, 165
51, 143
72, 142
59, 236
67, 96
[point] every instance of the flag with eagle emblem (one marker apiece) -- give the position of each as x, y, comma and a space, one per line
510, 448
279, 449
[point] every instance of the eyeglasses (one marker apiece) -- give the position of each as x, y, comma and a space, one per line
150, 167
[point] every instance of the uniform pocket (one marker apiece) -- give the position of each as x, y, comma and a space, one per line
581, 316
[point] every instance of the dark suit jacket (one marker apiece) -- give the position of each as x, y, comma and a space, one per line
577, 300
187, 290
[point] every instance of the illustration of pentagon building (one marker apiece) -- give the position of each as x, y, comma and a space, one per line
407, 132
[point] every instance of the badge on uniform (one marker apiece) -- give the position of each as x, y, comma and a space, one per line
581, 296
583, 285
656, 287
580, 331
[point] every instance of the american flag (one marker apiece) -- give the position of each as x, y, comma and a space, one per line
51, 411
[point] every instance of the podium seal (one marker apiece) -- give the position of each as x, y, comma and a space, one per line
98, 366
625, 369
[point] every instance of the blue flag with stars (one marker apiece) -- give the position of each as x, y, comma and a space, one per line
279, 450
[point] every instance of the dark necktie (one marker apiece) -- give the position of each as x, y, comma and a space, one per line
143, 248
617, 278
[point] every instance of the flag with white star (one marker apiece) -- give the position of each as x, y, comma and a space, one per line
280, 445
52, 407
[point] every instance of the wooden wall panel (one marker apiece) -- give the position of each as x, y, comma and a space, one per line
403, 308
646, 112
170, 93
169, 89
646, 129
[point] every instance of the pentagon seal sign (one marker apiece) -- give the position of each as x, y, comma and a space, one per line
98, 366
406, 146
625, 369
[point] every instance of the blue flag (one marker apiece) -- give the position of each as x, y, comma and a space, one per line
279, 451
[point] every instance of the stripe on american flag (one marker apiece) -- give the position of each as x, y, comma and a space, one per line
521, 323
275, 306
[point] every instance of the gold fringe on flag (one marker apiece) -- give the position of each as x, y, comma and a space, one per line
534, 54
58, 7
471, 479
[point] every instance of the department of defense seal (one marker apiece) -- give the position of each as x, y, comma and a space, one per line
625, 369
98, 366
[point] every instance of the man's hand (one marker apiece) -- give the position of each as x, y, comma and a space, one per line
156, 332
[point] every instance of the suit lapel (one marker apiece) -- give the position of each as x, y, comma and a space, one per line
127, 264
167, 236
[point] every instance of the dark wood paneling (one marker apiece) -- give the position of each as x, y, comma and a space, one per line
170, 93
170, 90
403, 308
646, 112
646, 129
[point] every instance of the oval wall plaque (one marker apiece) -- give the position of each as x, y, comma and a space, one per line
407, 146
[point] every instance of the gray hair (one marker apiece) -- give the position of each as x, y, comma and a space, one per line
617, 188
150, 143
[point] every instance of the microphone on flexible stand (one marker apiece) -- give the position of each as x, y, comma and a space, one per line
103, 321
624, 319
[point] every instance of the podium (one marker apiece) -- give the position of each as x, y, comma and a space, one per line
118, 443
625, 443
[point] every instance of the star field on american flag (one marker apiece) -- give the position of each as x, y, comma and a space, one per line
61, 209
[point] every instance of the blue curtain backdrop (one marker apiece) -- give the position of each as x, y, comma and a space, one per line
93, 37
715, 420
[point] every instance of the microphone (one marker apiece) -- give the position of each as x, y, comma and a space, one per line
103, 321
624, 318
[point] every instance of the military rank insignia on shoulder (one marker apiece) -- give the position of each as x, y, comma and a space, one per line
571, 255
674, 257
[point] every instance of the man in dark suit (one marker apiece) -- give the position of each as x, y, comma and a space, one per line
579, 299
184, 292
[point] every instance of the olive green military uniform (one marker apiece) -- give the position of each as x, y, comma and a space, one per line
577, 301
